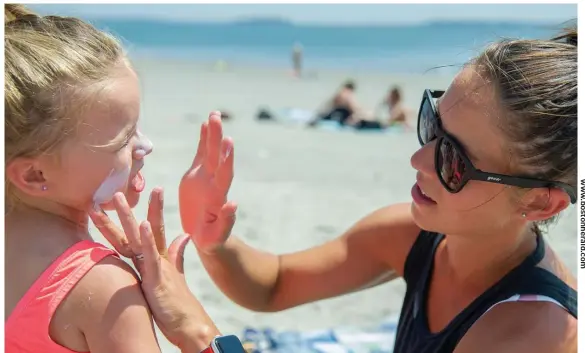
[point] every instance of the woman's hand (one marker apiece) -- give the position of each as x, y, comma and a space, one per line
205, 213
176, 311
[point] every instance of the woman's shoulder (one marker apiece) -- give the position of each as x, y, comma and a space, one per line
527, 326
534, 324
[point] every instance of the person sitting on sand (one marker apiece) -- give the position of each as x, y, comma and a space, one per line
397, 113
342, 107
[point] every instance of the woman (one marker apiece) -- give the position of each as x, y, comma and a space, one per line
498, 161
480, 277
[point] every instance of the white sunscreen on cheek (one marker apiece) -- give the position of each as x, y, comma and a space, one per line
112, 184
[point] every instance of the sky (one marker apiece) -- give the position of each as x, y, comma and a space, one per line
323, 14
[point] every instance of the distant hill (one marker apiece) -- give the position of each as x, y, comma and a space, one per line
288, 23
274, 21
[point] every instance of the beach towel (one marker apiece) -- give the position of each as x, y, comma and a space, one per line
377, 339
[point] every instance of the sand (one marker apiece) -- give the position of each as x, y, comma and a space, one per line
295, 187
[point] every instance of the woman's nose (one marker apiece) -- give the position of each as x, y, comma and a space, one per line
423, 160
143, 146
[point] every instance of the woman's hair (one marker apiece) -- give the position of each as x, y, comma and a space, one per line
54, 66
536, 82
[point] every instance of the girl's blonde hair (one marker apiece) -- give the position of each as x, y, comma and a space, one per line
53, 67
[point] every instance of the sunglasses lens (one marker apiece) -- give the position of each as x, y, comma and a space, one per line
451, 166
427, 123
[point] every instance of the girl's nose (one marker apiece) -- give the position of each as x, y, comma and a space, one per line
143, 146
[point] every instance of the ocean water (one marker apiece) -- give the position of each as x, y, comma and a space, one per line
401, 49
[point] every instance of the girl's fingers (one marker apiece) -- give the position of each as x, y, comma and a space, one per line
128, 221
111, 232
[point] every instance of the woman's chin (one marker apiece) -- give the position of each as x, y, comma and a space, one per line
421, 219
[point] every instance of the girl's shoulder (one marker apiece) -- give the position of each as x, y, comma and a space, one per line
62, 268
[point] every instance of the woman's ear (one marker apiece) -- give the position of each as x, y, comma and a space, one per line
542, 203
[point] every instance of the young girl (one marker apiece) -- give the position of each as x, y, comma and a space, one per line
72, 141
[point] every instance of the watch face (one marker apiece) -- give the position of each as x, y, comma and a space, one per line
229, 344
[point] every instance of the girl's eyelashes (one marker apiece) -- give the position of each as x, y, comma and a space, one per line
125, 143
128, 139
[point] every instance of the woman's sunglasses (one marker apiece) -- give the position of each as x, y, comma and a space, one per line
453, 167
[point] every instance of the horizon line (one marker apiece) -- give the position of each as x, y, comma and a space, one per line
291, 22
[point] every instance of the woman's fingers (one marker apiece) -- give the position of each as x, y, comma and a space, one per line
150, 264
227, 219
111, 232
177, 252
214, 137
128, 222
225, 171
156, 219
202, 146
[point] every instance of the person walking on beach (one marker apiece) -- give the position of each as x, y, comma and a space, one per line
297, 60
497, 163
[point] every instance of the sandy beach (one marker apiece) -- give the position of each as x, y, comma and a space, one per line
295, 187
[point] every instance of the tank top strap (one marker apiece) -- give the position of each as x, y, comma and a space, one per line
36, 308
541, 282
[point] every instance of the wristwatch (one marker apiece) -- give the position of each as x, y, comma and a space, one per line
225, 344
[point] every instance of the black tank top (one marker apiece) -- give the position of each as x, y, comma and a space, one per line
413, 335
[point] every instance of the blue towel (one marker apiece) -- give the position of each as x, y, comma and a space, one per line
379, 339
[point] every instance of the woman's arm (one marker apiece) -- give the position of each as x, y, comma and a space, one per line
372, 252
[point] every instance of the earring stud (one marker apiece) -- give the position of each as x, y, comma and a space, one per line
524, 214
44, 187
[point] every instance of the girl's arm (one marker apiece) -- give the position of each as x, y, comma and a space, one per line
108, 309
